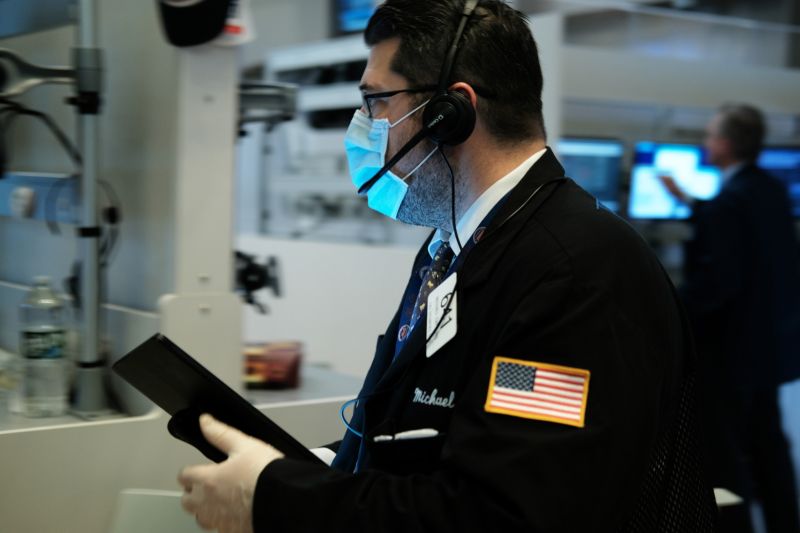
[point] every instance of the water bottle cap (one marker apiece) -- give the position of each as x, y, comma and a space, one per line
41, 280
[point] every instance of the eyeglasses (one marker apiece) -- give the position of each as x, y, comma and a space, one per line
368, 98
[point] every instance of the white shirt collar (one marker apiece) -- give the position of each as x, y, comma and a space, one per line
728, 172
469, 221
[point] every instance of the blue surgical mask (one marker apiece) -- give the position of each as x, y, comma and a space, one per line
365, 144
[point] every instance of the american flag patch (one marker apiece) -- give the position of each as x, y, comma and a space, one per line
539, 391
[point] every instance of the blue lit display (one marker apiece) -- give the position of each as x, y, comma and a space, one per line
353, 15
686, 164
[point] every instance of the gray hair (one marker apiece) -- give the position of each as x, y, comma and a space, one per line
743, 125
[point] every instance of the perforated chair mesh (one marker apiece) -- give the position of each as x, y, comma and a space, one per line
675, 497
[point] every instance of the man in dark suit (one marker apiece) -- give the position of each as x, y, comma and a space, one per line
539, 373
741, 291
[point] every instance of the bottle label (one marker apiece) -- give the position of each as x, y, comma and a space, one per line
44, 387
43, 344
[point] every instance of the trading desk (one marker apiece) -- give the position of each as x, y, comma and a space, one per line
64, 474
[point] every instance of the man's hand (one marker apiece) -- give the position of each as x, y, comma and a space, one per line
221, 495
673, 188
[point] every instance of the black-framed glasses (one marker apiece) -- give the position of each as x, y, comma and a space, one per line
368, 98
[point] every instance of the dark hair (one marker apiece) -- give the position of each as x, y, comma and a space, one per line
497, 56
743, 125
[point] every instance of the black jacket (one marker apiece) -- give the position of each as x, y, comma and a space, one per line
562, 282
742, 282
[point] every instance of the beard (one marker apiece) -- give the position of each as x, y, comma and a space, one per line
428, 200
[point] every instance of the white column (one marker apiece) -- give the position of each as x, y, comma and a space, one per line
203, 315
548, 31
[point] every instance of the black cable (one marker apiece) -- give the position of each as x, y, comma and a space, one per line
18, 109
452, 198
112, 216
524, 204
4, 153
63, 140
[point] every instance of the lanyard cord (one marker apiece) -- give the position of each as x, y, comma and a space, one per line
452, 198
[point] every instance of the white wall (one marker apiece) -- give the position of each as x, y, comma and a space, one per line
548, 31
285, 22
337, 298
618, 76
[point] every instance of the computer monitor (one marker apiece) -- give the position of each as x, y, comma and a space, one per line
595, 165
684, 163
351, 16
784, 163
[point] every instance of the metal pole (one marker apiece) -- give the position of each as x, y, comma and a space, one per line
90, 394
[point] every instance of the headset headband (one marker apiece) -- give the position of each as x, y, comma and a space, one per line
447, 67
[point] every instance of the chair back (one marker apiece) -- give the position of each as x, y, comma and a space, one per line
151, 511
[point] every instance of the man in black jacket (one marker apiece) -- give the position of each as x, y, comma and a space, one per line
742, 291
538, 374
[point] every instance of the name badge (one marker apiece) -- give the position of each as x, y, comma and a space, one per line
441, 321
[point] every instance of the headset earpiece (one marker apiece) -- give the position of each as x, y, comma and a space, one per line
452, 117
449, 117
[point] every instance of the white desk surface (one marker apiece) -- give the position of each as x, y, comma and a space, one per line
316, 384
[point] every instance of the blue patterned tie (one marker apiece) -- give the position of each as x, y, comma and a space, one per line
435, 275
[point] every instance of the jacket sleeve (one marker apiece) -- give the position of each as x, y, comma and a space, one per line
500, 472
715, 272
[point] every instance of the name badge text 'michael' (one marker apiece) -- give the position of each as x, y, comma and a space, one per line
433, 398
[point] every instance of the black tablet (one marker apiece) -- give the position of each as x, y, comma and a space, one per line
185, 389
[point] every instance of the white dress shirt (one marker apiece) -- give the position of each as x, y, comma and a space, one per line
728, 172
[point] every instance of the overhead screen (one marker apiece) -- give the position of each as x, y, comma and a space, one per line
684, 163
351, 16
784, 163
595, 165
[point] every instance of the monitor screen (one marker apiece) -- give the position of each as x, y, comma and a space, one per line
351, 16
784, 163
595, 165
686, 164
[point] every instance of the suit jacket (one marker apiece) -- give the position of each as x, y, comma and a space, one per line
742, 282
555, 280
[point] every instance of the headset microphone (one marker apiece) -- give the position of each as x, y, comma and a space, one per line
412, 142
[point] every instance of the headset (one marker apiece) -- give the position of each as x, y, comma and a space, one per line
449, 117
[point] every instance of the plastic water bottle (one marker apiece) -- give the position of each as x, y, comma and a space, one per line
42, 343
8, 385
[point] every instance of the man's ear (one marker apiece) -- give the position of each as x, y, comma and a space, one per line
466, 90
